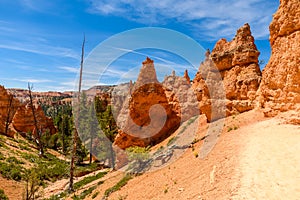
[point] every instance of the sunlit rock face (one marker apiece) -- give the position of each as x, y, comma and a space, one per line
147, 117
280, 88
23, 120
8, 108
236, 63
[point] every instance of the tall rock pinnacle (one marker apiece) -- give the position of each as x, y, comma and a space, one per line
147, 74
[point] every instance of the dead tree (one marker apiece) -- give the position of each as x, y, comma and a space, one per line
38, 130
75, 134
9, 112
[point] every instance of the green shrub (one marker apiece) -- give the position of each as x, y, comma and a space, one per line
53, 170
58, 196
118, 186
49, 168
139, 159
2, 195
171, 141
187, 124
24, 147
11, 171
32, 185
14, 160
2, 156
86, 169
30, 157
88, 180
95, 195
87, 192
196, 154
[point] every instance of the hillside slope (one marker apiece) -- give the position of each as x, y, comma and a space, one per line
255, 158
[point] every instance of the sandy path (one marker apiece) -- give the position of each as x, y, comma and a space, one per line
270, 161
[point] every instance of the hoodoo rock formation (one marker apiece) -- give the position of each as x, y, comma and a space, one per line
19, 116
187, 77
237, 65
181, 95
150, 117
8, 108
23, 120
280, 87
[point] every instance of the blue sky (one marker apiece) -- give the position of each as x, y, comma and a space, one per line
40, 40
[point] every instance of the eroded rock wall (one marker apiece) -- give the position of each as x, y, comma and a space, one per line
236, 64
280, 87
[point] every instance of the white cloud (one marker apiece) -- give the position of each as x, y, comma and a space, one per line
39, 6
70, 69
30, 80
42, 49
211, 18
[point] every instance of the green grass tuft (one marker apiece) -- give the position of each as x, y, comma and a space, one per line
118, 186
88, 180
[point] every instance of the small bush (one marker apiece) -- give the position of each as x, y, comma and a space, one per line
166, 190
24, 147
188, 123
88, 180
2, 156
14, 160
195, 141
32, 185
2, 195
118, 186
95, 195
84, 194
139, 159
81, 170
49, 168
30, 157
196, 154
11, 171
58, 196
171, 141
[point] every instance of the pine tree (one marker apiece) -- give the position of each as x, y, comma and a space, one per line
110, 129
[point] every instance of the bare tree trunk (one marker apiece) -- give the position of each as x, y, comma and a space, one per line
63, 132
91, 148
112, 157
9, 110
75, 134
38, 140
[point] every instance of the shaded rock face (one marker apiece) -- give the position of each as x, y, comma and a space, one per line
8, 108
280, 88
147, 118
23, 120
236, 63
181, 95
